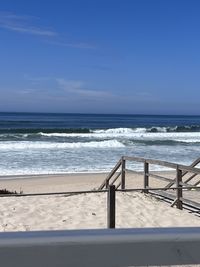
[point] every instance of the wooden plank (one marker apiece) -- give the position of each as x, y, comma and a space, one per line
174, 202
191, 177
146, 177
164, 164
191, 203
111, 207
163, 194
197, 183
184, 169
53, 193
152, 161
110, 174
186, 185
116, 178
154, 189
189, 169
160, 177
171, 197
118, 185
135, 172
179, 191
137, 159
123, 173
197, 161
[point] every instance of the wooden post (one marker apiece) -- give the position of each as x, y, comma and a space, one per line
179, 191
107, 184
123, 173
111, 207
146, 177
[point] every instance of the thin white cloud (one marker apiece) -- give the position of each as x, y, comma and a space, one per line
65, 87
23, 24
27, 25
26, 91
145, 96
80, 45
29, 30
37, 79
77, 87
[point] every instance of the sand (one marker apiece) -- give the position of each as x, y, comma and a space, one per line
83, 211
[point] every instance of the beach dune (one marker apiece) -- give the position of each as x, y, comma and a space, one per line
82, 211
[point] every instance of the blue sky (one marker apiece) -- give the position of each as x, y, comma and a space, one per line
100, 56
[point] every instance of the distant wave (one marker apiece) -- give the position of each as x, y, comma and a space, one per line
178, 129
188, 140
192, 128
86, 137
46, 130
129, 134
161, 142
119, 130
48, 145
54, 131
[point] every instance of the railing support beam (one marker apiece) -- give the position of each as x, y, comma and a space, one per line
111, 207
123, 173
146, 177
179, 191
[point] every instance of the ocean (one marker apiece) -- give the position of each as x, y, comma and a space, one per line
36, 143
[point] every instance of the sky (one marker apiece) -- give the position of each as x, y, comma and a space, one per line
100, 56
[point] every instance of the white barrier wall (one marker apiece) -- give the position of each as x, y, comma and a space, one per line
101, 248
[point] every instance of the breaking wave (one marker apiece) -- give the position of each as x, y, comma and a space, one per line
48, 145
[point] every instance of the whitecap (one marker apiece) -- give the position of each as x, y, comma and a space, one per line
56, 145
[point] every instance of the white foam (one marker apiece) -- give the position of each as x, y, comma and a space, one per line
9, 173
47, 145
172, 136
133, 134
159, 129
188, 140
117, 131
55, 134
66, 134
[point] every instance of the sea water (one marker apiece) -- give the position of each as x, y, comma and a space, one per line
35, 143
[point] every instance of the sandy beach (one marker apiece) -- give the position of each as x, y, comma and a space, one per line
82, 211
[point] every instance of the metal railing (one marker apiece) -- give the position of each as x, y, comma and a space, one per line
108, 248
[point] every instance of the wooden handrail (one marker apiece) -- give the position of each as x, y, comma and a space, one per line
110, 175
115, 179
152, 161
195, 163
181, 170
165, 164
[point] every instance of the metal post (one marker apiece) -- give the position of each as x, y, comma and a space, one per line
111, 207
146, 177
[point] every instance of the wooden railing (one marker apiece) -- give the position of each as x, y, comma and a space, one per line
117, 177
113, 176
195, 163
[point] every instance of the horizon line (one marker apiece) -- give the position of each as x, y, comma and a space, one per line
85, 113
